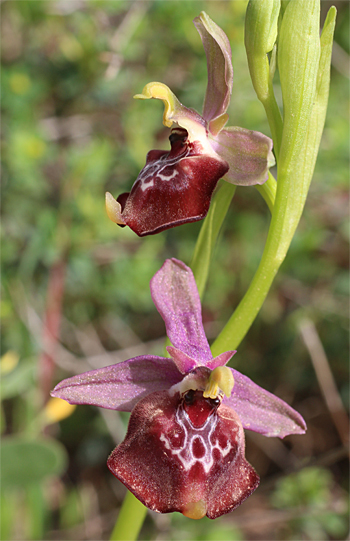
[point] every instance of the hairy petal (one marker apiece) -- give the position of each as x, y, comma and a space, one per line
183, 362
248, 153
174, 292
120, 386
184, 457
261, 411
220, 72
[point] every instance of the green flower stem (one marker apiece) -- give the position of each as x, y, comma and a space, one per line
130, 519
274, 118
244, 315
292, 187
209, 232
280, 235
268, 191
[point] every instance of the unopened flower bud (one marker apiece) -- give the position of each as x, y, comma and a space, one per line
260, 36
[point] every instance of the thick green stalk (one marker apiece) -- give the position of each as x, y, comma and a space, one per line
130, 519
292, 187
211, 227
244, 315
209, 232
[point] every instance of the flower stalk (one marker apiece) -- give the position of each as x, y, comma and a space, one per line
209, 232
130, 519
304, 116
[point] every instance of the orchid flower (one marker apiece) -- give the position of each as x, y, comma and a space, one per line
184, 448
176, 186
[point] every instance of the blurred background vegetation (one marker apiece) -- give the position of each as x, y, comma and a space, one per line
76, 287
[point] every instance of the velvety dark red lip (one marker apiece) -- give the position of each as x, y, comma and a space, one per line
173, 188
181, 453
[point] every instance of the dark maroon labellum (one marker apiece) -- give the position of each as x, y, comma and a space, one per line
173, 188
185, 454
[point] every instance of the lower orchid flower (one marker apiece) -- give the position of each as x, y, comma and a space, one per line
176, 186
184, 449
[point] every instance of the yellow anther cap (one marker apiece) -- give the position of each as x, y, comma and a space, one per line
220, 379
162, 92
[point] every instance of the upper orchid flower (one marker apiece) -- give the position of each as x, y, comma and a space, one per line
176, 187
184, 448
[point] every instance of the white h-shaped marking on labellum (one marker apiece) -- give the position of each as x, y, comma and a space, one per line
154, 169
191, 433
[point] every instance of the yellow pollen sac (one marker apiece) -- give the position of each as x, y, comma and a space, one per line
160, 91
195, 510
114, 210
220, 379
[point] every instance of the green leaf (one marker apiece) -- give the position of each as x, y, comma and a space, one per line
302, 163
25, 461
298, 60
18, 381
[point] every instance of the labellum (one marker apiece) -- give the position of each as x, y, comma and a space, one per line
173, 186
185, 453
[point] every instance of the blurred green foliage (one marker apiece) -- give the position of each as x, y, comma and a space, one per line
71, 131
310, 494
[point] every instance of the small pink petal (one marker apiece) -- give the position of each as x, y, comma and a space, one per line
221, 360
183, 362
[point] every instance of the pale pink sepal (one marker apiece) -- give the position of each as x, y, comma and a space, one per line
248, 153
174, 292
261, 411
219, 65
120, 386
